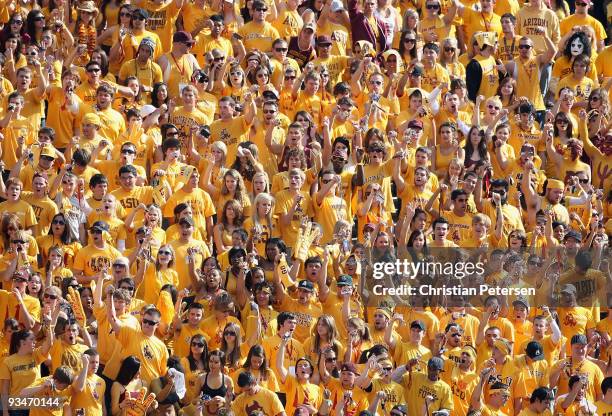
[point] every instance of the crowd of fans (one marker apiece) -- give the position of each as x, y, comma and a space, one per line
199, 197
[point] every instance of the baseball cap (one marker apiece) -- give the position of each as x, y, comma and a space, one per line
324, 40
122, 261
306, 285
573, 234
568, 288
48, 151
309, 25
349, 367
141, 13
145, 110
579, 339
521, 302
535, 351
417, 71
417, 124
336, 6
436, 363
417, 324
344, 280
100, 226
183, 37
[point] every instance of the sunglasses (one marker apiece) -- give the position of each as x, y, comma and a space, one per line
235, 74
331, 359
50, 296
219, 59
128, 288
93, 70
281, 49
128, 151
449, 49
561, 122
524, 46
387, 369
18, 242
138, 17
376, 82
491, 107
75, 286
58, 222
149, 322
291, 77
197, 344
432, 6
585, 181
17, 22
595, 98
96, 231
261, 9
269, 111
47, 158
19, 280
164, 252
230, 333
409, 40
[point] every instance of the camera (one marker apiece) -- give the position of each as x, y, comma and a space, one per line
11, 107
205, 131
200, 76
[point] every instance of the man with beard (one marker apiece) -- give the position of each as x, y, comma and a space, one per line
462, 379
344, 392
511, 215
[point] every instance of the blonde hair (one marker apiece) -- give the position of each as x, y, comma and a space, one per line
257, 219
482, 219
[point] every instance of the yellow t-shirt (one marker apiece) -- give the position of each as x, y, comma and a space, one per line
90, 399
91, 260
301, 393
258, 36
417, 386
27, 217
60, 117
264, 400
232, 133
21, 370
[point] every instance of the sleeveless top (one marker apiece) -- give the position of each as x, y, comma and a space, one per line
219, 392
302, 56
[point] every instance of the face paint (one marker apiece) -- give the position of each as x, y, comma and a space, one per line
576, 47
